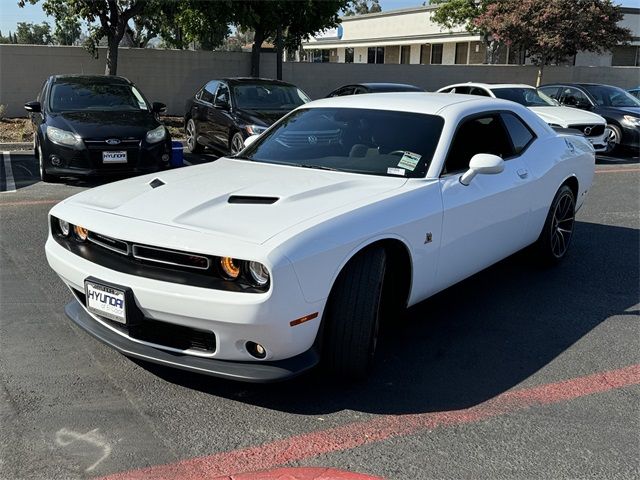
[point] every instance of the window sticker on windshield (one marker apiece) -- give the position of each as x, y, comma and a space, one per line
409, 161
141, 103
395, 171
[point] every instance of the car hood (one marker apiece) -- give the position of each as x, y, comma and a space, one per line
262, 117
100, 124
197, 198
565, 116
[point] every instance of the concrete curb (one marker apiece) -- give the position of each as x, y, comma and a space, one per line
16, 146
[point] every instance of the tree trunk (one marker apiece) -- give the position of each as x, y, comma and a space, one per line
540, 72
112, 55
255, 52
279, 53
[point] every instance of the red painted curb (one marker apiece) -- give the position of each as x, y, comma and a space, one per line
300, 474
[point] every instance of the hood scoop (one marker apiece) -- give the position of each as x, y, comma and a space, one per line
156, 182
252, 200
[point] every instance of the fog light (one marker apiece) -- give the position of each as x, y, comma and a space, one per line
165, 157
256, 350
81, 232
56, 161
64, 227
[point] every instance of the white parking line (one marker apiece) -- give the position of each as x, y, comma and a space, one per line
11, 184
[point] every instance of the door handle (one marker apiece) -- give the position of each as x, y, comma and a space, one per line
522, 173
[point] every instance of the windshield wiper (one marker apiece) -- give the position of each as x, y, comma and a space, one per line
316, 167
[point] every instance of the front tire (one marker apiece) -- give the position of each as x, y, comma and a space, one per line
192, 137
613, 137
353, 316
554, 241
236, 143
44, 176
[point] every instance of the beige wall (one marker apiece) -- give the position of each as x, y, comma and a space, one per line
172, 76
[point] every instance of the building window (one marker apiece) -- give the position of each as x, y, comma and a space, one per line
375, 55
319, 56
462, 50
436, 54
348, 55
405, 54
628, 56
425, 54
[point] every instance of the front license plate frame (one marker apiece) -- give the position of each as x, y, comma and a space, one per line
107, 300
119, 156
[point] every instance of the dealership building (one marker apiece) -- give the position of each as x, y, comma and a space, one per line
410, 36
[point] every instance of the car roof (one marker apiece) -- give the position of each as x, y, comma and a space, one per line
490, 86
95, 79
253, 81
386, 85
417, 102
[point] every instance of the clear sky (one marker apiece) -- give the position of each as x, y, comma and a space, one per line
11, 14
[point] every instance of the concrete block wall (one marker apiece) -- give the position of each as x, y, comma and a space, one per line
172, 76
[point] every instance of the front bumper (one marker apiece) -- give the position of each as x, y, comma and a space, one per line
256, 372
87, 161
234, 318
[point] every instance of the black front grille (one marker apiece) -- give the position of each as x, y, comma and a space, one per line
162, 333
589, 130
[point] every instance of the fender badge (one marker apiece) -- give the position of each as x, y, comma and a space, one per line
428, 238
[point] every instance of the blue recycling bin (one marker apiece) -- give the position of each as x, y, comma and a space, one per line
177, 154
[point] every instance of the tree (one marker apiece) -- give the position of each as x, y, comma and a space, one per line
33, 33
205, 23
67, 30
285, 21
553, 31
104, 18
362, 7
452, 14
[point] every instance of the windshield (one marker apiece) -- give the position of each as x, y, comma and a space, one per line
529, 97
612, 96
67, 97
374, 142
266, 96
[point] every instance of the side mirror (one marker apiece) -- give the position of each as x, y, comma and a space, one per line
482, 164
222, 105
33, 107
249, 140
158, 107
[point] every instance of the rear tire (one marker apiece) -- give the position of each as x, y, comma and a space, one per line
553, 243
236, 143
353, 316
192, 137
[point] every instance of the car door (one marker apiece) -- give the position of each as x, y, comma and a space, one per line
202, 103
573, 97
220, 118
488, 219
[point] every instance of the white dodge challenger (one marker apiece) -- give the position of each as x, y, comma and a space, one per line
259, 266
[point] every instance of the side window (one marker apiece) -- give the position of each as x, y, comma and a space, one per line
222, 95
573, 97
462, 90
359, 90
343, 91
448, 90
209, 91
551, 92
520, 134
479, 91
483, 134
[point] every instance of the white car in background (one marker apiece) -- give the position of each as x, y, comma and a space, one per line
589, 124
344, 212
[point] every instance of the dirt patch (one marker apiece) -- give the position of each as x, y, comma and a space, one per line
14, 130
175, 126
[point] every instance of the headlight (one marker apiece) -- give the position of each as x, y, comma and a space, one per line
259, 274
230, 268
64, 227
81, 232
255, 129
62, 137
156, 135
631, 120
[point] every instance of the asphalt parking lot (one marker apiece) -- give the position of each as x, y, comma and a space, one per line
518, 372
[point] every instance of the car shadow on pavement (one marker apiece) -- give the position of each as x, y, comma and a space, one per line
473, 341
623, 157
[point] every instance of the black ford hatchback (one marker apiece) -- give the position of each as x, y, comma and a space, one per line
96, 125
